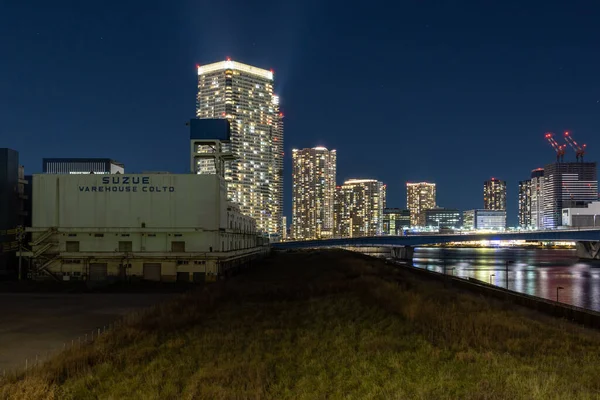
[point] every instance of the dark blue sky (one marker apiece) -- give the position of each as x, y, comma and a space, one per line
449, 91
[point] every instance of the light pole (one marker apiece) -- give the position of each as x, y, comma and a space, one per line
491, 276
506, 276
557, 289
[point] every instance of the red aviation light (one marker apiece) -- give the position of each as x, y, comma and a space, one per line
228, 58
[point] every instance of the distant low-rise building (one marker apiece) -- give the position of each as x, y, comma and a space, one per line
442, 218
484, 220
395, 221
81, 166
582, 217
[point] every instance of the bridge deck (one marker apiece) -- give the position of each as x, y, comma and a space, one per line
580, 235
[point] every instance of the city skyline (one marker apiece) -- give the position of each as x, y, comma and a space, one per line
442, 98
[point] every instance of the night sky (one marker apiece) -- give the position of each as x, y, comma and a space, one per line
453, 92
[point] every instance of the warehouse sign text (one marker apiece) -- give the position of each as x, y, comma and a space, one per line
111, 184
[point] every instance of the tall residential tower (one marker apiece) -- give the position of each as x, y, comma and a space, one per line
494, 194
359, 205
244, 95
419, 197
537, 198
313, 176
525, 204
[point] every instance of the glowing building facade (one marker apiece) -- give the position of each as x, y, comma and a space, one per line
358, 208
494, 194
419, 197
313, 193
568, 185
244, 95
537, 198
395, 221
525, 204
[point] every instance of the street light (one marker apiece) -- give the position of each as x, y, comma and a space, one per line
491, 276
506, 277
557, 289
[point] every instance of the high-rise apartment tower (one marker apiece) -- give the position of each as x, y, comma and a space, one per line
313, 193
537, 198
494, 194
419, 197
525, 204
358, 209
244, 95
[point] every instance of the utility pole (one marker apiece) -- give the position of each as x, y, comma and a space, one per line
506, 273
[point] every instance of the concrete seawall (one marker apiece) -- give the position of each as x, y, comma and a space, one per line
587, 318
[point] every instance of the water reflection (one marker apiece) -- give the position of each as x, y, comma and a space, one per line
534, 271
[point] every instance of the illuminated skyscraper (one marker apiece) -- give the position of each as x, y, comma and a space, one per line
568, 185
358, 209
419, 197
243, 94
494, 194
313, 194
525, 204
537, 198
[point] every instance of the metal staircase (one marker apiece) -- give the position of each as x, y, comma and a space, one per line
43, 237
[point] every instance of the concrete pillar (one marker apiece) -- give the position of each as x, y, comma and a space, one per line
588, 250
403, 253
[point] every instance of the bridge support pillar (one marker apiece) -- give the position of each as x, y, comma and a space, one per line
403, 253
588, 250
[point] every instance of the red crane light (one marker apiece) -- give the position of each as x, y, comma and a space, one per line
579, 150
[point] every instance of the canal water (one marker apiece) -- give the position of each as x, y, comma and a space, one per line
537, 272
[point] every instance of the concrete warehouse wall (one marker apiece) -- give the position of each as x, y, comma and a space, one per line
128, 201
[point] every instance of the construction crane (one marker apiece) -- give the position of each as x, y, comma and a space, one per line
560, 150
579, 150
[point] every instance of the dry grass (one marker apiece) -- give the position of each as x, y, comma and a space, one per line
327, 324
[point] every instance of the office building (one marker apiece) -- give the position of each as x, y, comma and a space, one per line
537, 198
525, 204
313, 192
567, 185
395, 221
582, 217
419, 197
494, 194
442, 218
358, 209
489, 220
244, 95
13, 208
81, 166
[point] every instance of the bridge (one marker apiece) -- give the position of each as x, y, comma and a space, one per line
588, 241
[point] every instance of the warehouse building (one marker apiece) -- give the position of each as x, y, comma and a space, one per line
141, 226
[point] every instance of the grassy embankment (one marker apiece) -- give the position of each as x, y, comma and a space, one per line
327, 325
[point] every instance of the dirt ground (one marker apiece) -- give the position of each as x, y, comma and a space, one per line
32, 324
